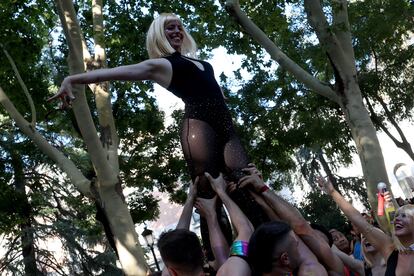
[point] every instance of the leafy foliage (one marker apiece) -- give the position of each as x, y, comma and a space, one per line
321, 209
277, 118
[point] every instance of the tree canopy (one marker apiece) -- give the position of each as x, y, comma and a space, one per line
277, 116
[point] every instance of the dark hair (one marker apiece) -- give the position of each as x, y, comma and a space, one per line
262, 245
181, 247
325, 231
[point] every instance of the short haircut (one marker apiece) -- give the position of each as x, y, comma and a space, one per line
182, 248
325, 231
263, 243
157, 43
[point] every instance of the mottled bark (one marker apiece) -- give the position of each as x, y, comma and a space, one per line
102, 150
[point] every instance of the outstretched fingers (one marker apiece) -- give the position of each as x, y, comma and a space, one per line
218, 184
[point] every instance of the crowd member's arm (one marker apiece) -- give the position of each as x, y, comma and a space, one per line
158, 70
376, 237
207, 209
299, 225
352, 263
309, 263
185, 218
234, 265
268, 210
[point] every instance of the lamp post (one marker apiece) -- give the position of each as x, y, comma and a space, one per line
149, 240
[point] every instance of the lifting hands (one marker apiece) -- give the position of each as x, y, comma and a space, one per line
325, 185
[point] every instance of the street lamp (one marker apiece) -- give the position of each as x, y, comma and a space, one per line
149, 240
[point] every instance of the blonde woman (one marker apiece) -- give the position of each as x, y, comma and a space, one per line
208, 139
374, 260
398, 263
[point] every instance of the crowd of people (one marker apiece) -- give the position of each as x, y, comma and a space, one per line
288, 244
270, 236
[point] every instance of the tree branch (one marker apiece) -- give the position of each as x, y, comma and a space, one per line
233, 8
109, 136
23, 85
405, 145
342, 27
74, 38
327, 38
62, 161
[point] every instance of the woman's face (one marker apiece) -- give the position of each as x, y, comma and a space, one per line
340, 241
403, 224
174, 33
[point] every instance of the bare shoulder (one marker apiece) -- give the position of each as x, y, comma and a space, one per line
160, 71
234, 266
157, 64
312, 269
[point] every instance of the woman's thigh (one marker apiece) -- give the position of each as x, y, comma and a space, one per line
201, 148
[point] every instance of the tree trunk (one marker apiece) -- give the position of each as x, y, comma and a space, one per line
336, 41
26, 229
103, 152
368, 147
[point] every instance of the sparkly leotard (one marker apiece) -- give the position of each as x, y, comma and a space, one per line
208, 138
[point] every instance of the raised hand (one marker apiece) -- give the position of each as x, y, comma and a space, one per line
253, 179
251, 169
325, 185
206, 207
231, 187
387, 196
218, 184
192, 191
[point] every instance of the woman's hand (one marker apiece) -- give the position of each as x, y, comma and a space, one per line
387, 196
325, 185
65, 93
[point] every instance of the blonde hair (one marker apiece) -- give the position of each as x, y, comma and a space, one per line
409, 211
369, 256
157, 43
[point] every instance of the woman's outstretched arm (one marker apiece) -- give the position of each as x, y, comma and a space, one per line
158, 70
376, 237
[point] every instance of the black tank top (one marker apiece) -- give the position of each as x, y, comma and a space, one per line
191, 83
392, 264
201, 94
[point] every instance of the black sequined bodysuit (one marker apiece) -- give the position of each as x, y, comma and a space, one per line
208, 138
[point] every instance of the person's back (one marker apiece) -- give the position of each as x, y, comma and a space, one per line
181, 252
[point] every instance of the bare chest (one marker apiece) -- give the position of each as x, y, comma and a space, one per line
405, 266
